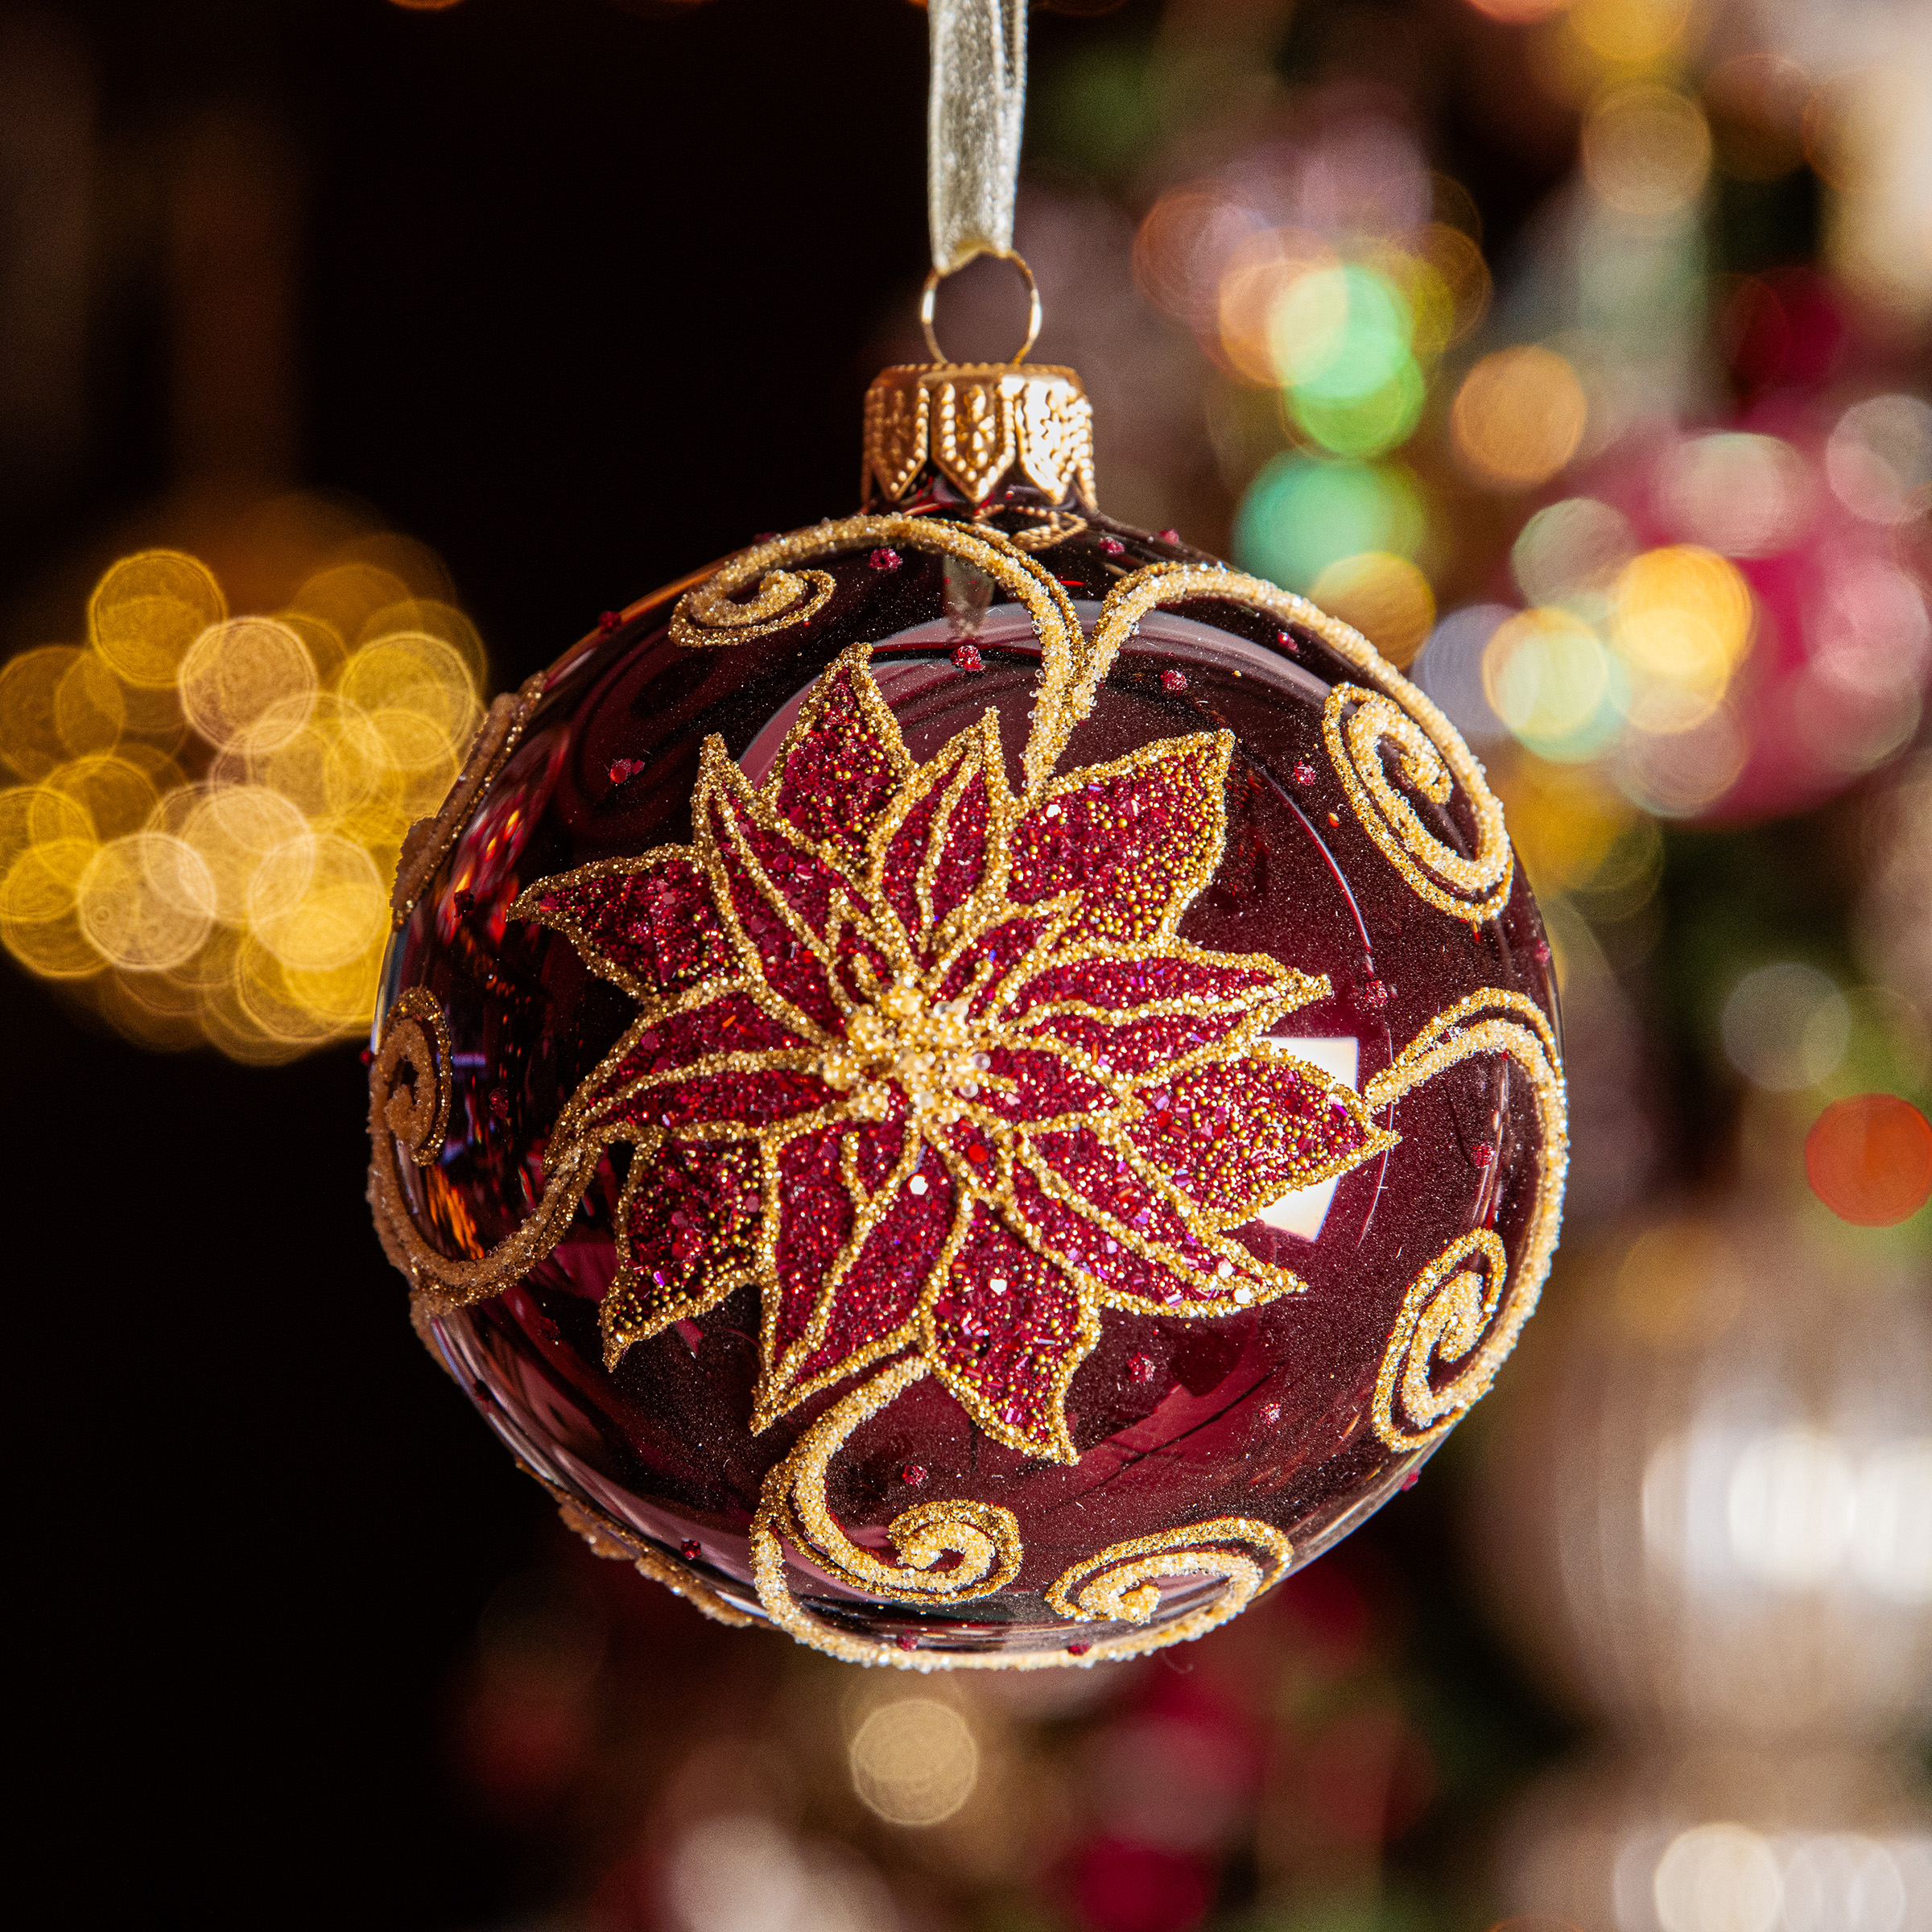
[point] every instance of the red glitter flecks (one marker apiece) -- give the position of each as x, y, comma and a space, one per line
1137, 843
690, 1551
815, 1218
622, 770
763, 1097
610, 621
1142, 1367
1104, 1248
1238, 1136
654, 930
966, 657
1033, 1086
886, 559
1173, 682
1305, 773
836, 775
688, 1233
1006, 1330
913, 1474
978, 1088
881, 1289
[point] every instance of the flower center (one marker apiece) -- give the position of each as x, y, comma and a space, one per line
930, 1050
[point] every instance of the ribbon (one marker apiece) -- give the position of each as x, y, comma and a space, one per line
977, 102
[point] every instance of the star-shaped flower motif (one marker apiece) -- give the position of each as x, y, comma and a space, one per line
929, 1063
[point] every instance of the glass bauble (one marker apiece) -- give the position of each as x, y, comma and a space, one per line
976, 1084
1707, 1502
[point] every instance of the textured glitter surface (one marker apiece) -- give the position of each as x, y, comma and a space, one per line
1070, 1086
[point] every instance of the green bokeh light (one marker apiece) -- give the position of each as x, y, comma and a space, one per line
1365, 425
1301, 514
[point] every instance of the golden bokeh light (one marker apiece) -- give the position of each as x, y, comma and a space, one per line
1386, 597
239, 675
1518, 417
90, 707
30, 689
913, 1760
1630, 33
1548, 678
1647, 152
212, 807
147, 611
1682, 617
145, 902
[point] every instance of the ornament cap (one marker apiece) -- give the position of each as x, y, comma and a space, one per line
978, 425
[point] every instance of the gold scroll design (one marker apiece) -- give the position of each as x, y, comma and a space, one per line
985, 1537
710, 614
1062, 644
428, 842
1356, 724
410, 1082
1464, 1309
974, 423
1121, 1584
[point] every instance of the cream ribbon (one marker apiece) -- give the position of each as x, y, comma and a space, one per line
976, 103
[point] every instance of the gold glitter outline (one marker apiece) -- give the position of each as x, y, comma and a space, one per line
609, 1538
1157, 584
1123, 1571
706, 617
428, 842
1451, 1037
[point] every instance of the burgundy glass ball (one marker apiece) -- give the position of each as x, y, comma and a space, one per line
978, 1086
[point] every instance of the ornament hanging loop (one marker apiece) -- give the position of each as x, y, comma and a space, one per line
929, 297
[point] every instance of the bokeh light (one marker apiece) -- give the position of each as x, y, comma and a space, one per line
913, 1760
1869, 1159
1301, 514
1386, 597
212, 807
1786, 1026
1518, 417
1647, 152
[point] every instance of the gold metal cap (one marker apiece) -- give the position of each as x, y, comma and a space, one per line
977, 424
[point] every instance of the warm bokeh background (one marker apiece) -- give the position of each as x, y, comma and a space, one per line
1579, 353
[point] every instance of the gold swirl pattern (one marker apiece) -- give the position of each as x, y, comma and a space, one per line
1446, 1310
408, 1119
427, 841
707, 616
416, 1111
985, 1536
1434, 756
1028, 584
1472, 889
1442, 1319
1122, 1584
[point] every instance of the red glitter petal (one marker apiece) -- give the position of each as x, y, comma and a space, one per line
1006, 1351
1238, 1135
653, 922
1137, 845
837, 775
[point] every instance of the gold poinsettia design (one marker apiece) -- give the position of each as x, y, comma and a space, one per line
929, 1062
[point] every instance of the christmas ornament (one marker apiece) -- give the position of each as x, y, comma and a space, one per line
1708, 1505
975, 1083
